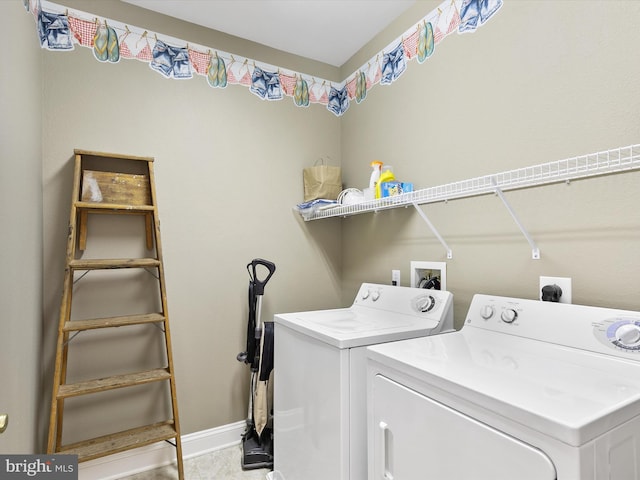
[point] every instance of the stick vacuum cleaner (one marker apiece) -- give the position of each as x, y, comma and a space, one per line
257, 440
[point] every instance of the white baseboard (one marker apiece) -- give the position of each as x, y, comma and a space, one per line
159, 454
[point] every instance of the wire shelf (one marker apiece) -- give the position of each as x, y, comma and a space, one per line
607, 162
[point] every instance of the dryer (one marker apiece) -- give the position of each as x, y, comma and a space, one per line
526, 389
320, 376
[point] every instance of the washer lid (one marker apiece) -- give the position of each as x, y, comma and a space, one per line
355, 326
572, 395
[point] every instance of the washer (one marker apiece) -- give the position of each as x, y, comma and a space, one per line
526, 389
320, 376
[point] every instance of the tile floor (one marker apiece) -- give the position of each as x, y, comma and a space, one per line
219, 465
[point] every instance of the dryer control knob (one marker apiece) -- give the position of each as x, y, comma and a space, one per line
628, 334
365, 294
509, 315
486, 312
375, 295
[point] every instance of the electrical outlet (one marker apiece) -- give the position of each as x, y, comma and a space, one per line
395, 277
563, 282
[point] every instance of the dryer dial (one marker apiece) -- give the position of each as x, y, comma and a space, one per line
509, 315
486, 311
628, 335
622, 333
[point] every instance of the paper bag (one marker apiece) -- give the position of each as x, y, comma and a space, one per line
322, 181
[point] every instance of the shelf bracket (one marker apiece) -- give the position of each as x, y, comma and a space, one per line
535, 251
433, 229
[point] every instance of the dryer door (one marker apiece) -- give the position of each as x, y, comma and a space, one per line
413, 436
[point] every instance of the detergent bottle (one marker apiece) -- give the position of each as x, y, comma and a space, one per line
386, 175
374, 180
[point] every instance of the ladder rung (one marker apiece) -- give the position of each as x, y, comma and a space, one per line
121, 441
115, 206
111, 383
89, 324
111, 263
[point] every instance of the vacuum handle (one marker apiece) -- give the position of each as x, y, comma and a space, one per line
260, 284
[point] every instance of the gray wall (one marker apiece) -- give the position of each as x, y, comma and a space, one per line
21, 231
542, 81
228, 169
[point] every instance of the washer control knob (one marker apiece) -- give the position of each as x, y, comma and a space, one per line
486, 312
509, 315
426, 304
375, 295
365, 294
628, 334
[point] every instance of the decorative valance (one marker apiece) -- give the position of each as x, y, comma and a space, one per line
60, 28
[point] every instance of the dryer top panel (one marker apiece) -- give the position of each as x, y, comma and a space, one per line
546, 372
602, 330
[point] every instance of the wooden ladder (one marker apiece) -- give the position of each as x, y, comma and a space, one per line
100, 190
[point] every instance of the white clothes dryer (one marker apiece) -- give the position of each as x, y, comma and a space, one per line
320, 376
526, 390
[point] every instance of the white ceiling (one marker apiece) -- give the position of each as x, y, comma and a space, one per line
329, 31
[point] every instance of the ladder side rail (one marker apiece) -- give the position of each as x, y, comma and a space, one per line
60, 370
165, 313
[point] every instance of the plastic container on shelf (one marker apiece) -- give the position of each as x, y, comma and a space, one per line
374, 180
386, 175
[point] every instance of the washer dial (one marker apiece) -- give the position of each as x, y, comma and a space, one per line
426, 304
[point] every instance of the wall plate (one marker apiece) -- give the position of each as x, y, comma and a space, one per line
563, 282
395, 277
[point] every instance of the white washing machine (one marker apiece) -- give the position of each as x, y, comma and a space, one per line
320, 376
525, 390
